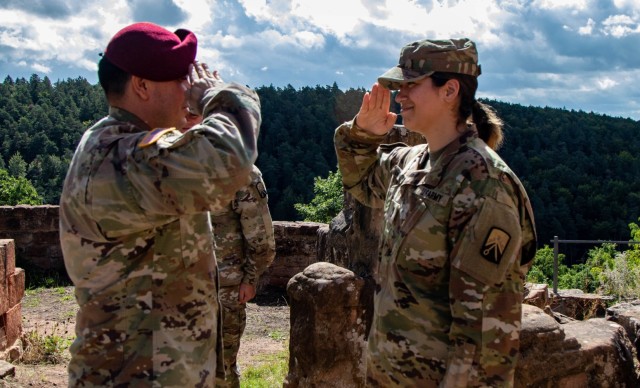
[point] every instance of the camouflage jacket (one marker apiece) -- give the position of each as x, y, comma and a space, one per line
138, 244
245, 244
457, 241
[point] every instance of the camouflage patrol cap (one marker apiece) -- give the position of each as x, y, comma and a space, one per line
422, 58
150, 51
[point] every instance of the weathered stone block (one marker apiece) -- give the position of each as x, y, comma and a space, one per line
7, 258
331, 311
596, 351
4, 298
16, 287
628, 316
13, 324
536, 295
579, 305
6, 369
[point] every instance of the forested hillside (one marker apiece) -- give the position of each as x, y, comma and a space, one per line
581, 170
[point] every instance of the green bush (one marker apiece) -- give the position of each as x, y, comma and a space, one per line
17, 191
606, 271
328, 200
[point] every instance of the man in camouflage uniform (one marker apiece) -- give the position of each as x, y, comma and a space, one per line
245, 247
134, 214
458, 233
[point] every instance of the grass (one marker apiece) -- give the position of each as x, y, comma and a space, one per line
277, 335
46, 346
269, 372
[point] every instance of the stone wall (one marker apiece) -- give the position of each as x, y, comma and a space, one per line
11, 293
36, 234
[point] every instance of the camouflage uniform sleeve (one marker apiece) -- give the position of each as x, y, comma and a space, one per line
201, 169
365, 168
257, 228
486, 283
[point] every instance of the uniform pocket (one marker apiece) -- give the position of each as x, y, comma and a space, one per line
423, 253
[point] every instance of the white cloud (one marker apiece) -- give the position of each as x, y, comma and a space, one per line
620, 26
200, 13
560, 4
606, 83
588, 29
41, 68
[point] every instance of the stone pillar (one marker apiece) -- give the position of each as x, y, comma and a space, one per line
332, 305
11, 293
331, 311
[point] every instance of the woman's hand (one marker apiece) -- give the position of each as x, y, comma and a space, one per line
374, 116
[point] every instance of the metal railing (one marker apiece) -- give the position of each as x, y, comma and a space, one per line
557, 241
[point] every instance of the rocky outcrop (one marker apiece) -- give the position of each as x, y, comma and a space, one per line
628, 316
579, 304
591, 353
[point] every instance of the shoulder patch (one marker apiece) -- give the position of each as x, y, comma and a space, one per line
261, 189
494, 245
153, 136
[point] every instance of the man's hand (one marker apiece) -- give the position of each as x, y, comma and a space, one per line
374, 116
247, 292
201, 80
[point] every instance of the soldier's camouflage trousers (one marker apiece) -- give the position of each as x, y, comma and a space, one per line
234, 320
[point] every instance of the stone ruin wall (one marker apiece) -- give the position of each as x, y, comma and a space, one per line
35, 232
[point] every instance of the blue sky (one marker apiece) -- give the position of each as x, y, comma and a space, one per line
573, 54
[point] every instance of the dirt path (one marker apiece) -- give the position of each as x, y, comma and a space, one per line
51, 311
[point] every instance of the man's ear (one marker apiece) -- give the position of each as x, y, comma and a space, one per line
140, 87
450, 89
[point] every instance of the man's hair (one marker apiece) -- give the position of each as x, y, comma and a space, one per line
112, 78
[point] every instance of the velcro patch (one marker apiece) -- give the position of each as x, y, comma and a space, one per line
261, 189
486, 250
494, 245
153, 136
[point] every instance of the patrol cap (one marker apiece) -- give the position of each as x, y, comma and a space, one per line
422, 58
149, 51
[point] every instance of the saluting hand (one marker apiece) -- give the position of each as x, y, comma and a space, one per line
374, 115
201, 80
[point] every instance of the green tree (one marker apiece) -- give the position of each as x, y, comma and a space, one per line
328, 200
17, 166
17, 191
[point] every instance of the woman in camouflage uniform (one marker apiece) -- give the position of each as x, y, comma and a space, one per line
458, 234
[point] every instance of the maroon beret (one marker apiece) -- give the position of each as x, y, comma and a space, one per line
149, 51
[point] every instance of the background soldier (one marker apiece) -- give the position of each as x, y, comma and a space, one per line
245, 248
134, 213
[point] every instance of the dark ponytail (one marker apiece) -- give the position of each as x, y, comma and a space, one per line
487, 122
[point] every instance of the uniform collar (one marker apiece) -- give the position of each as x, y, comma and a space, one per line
438, 165
120, 114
